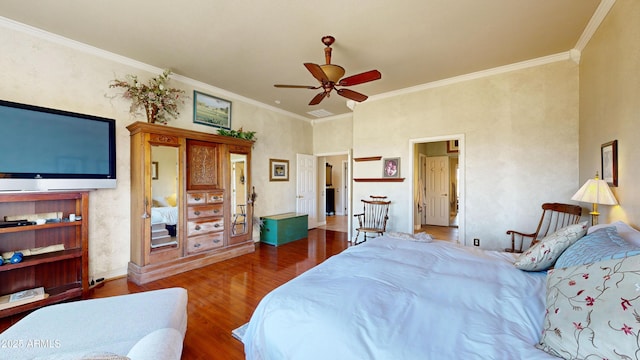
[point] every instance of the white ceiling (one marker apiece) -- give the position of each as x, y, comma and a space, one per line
247, 46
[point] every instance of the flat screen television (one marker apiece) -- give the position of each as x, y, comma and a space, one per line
44, 149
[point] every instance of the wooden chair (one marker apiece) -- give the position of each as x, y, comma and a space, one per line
239, 218
554, 217
373, 218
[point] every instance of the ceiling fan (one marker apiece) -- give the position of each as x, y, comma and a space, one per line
329, 75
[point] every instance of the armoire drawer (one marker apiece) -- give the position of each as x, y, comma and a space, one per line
215, 197
202, 211
204, 242
203, 227
197, 198
210, 197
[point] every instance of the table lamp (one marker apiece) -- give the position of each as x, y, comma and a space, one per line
595, 191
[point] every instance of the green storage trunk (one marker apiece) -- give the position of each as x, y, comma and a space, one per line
283, 228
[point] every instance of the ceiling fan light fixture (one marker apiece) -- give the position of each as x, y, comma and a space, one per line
333, 72
329, 75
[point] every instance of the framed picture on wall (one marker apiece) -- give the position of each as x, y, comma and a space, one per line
452, 146
154, 170
278, 170
212, 111
391, 167
609, 162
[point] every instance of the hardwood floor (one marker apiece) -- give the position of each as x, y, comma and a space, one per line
335, 223
441, 232
450, 233
223, 296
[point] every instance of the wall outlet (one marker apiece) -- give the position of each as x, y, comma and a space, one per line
476, 242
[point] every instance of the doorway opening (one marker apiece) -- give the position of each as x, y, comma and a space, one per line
336, 192
438, 190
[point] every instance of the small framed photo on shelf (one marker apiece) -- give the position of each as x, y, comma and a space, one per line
391, 167
212, 111
278, 170
452, 146
609, 162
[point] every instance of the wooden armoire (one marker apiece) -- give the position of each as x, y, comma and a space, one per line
189, 200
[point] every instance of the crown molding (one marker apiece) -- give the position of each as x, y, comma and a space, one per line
573, 54
476, 75
332, 118
597, 18
110, 56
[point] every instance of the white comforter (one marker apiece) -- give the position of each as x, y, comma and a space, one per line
399, 299
167, 215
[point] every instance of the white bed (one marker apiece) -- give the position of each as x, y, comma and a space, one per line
399, 299
165, 214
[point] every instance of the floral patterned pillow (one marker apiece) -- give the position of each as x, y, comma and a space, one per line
544, 254
593, 310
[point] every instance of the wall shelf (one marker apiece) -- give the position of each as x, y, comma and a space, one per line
378, 179
370, 158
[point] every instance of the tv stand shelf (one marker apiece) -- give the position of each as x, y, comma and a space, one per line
56, 295
63, 273
43, 259
38, 227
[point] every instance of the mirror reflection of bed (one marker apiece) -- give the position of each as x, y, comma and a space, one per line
239, 194
164, 188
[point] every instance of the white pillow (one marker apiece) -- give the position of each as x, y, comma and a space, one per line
625, 231
544, 254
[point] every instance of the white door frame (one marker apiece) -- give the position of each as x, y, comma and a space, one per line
461, 180
345, 187
422, 216
348, 179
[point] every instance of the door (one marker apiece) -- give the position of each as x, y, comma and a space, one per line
437, 190
306, 188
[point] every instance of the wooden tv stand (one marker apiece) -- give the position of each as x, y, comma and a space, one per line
63, 273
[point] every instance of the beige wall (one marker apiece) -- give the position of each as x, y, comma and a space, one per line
46, 70
610, 106
333, 135
520, 145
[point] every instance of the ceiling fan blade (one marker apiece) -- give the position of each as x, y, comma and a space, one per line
296, 86
353, 95
360, 78
316, 99
317, 72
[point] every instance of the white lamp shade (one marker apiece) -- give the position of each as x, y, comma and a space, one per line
595, 191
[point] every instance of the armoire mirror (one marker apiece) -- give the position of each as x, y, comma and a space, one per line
164, 198
239, 173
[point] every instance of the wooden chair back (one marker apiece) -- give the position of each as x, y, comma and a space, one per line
373, 218
554, 217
